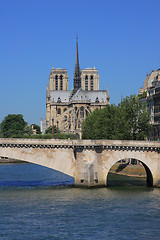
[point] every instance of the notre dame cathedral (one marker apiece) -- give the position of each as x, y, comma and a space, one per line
67, 109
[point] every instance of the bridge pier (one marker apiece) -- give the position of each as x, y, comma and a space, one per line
89, 178
156, 177
88, 169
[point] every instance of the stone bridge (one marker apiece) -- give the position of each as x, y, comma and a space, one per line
88, 161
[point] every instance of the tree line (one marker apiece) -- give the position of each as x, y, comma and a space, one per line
129, 120
14, 126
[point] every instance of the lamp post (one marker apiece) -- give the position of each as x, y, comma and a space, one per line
57, 130
52, 128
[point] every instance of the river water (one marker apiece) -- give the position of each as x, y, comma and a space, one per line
40, 203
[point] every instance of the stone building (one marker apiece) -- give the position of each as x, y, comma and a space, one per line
68, 108
151, 94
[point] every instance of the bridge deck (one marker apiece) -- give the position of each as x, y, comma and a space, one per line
58, 143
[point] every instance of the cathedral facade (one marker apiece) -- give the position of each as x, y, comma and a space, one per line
67, 109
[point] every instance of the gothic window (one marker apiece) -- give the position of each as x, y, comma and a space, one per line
79, 124
86, 82
75, 109
65, 109
65, 118
77, 112
81, 112
87, 113
59, 111
91, 82
61, 82
56, 82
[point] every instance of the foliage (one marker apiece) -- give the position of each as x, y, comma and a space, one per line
13, 124
70, 136
28, 130
37, 128
136, 118
144, 95
49, 130
67, 136
34, 136
127, 121
41, 136
60, 135
1, 135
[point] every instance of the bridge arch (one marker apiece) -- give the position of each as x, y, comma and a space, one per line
145, 159
15, 160
60, 158
121, 166
149, 175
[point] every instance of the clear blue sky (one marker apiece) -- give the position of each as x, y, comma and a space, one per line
121, 38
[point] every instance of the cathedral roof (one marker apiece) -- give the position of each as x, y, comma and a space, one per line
91, 96
61, 95
80, 95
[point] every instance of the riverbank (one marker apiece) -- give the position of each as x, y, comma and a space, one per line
131, 175
4, 160
127, 175
130, 170
115, 179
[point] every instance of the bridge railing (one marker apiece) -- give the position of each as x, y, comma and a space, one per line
83, 144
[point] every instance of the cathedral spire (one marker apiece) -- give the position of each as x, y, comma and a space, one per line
77, 72
77, 58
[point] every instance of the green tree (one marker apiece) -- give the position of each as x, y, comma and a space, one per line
49, 130
28, 130
37, 128
1, 135
100, 124
136, 118
60, 135
13, 124
127, 121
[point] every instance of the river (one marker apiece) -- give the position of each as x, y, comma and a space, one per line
41, 204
